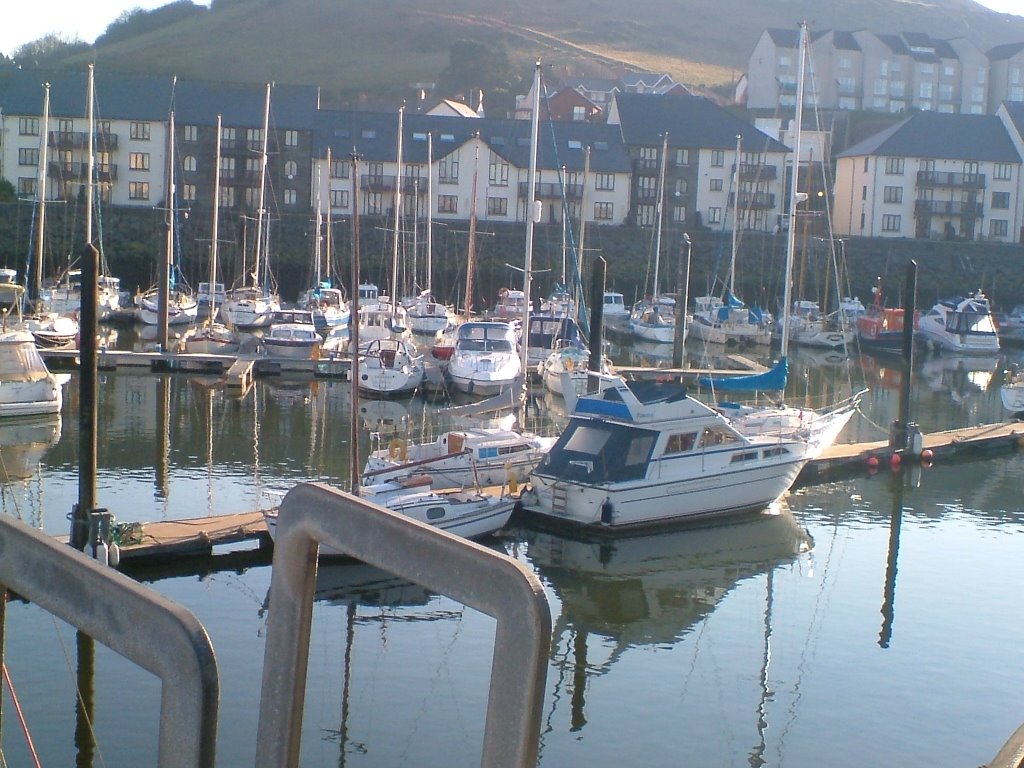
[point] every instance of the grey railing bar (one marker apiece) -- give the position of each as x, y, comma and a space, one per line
138, 623
490, 582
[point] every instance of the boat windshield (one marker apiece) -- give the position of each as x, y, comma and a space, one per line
599, 452
21, 361
970, 322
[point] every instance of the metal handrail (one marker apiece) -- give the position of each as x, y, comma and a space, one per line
132, 620
497, 585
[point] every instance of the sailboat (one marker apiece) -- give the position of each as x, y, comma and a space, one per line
327, 304
213, 337
654, 319
252, 303
721, 320
819, 428
62, 295
425, 313
182, 305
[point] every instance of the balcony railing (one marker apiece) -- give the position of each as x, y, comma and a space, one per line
950, 179
552, 191
79, 140
760, 171
948, 208
752, 200
377, 182
79, 171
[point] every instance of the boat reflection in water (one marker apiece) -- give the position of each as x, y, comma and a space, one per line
23, 442
654, 588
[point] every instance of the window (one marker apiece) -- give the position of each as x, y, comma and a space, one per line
894, 166
864, 192
497, 206
227, 167
27, 186
138, 161
682, 157
865, 165
227, 135
1002, 171
254, 138
339, 198
188, 164
716, 185
340, 169
784, 61
602, 211
681, 443
579, 114
188, 193
890, 223
28, 126
714, 215
679, 214
368, 133
138, 190
291, 168
892, 195
447, 204
497, 171
291, 138
103, 159
252, 197
227, 197
190, 133
645, 215
605, 182
28, 156
925, 91
649, 157
1001, 200
998, 228
945, 92
448, 169
844, 62
717, 158
290, 197
252, 166
139, 132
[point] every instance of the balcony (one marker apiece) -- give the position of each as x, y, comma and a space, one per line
79, 171
552, 191
948, 208
79, 139
652, 165
377, 182
950, 179
752, 200
756, 172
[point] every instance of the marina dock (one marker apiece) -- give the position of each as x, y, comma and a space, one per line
193, 537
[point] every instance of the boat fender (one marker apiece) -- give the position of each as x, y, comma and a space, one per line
512, 478
398, 449
607, 511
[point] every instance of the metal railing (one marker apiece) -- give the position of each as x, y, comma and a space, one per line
490, 582
138, 623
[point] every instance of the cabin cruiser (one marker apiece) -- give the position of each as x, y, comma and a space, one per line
646, 453
486, 361
728, 320
654, 320
389, 367
27, 387
962, 324
615, 313
292, 335
808, 327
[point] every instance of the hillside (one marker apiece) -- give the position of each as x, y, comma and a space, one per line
382, 47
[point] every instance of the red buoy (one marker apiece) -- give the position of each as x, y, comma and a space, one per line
895, 460
873, 462
927, 455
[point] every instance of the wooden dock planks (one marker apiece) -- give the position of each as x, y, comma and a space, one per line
197, 536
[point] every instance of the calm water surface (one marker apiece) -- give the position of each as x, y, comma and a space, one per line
873, 621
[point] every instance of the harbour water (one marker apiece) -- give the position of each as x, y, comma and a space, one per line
872, 621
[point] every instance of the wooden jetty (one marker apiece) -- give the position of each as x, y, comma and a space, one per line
194, 537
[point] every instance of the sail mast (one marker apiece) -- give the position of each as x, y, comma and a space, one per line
661, 202
41, 193
214, 228
735, 214
90, 154
471, 248
398, 217
257, 261
430, 209
791, 229
531, 186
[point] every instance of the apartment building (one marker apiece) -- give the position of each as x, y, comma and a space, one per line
701, 165
934, 176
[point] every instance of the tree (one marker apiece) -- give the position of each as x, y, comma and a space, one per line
472, 67
49, 50
7, 193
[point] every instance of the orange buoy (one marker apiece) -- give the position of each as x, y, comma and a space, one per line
895, 460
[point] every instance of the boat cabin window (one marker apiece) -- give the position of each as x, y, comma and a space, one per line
435, 513
970, 322
599, 452
680, 442
717, 435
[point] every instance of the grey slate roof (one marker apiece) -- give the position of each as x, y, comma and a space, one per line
790, 38
845, 41
1015, 111
1006, 51
148, 97
934, 135
691, 121
373, 135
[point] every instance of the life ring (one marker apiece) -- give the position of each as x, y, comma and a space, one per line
569, 364
398, 449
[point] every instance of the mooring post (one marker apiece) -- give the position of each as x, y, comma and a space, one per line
597, 285
901, 430
88, 373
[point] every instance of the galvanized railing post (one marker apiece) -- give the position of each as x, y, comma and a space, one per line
141, 625
476, 576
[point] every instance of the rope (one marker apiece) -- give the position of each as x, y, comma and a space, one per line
879, 427
21, 718
78, 692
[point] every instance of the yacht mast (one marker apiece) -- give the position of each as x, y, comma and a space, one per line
398, 219
791, 229
659, 218
41, 193
735, 215
430, 210
531, 186
257, 261
215, 228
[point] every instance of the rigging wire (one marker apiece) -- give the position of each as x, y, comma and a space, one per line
21, 718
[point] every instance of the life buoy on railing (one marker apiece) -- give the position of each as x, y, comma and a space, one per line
398, 449
569, 364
